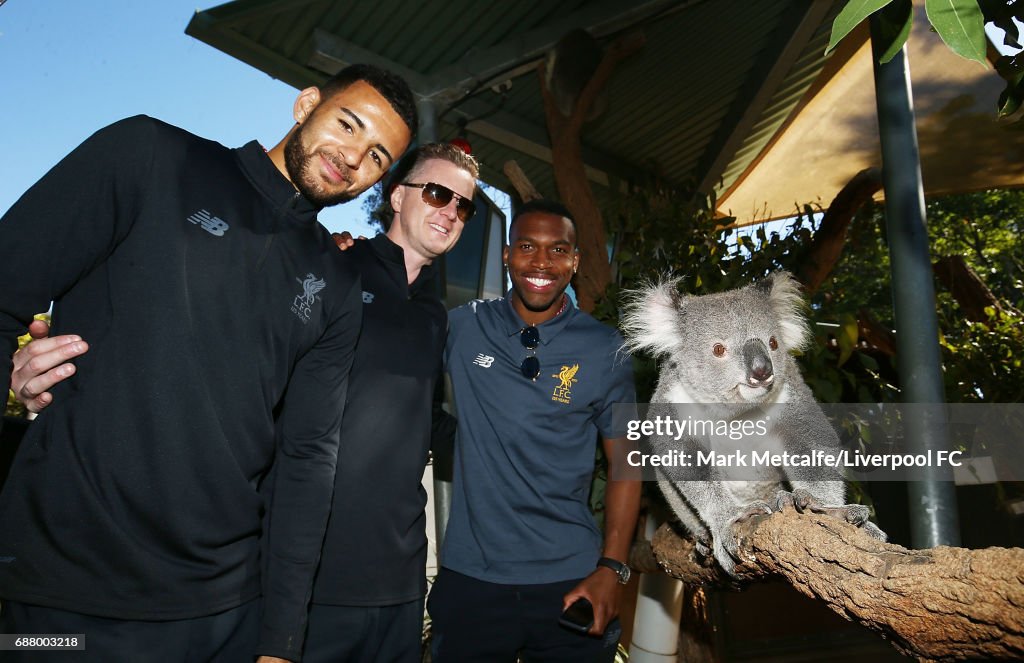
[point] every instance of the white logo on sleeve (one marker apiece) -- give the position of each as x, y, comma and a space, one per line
367, 297
209, 223
483, 360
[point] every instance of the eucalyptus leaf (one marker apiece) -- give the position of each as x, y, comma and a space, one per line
961, 25
1002, 13
850, 17
1011, 37
1009, 101
847, 337
1011, 69
894, 24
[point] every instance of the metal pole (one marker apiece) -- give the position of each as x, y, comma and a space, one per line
659, 606
427, 131
933, 508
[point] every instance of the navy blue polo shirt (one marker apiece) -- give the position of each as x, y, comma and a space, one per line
524, 451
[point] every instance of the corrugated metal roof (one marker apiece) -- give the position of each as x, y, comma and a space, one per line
701, 99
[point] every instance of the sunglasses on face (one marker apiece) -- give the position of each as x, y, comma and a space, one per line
438, 195
530, 338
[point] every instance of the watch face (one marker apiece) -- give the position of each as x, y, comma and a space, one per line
624, 574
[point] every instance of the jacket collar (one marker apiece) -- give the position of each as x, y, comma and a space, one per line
265, 176
390, 252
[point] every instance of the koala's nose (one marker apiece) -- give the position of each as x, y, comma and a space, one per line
758, 362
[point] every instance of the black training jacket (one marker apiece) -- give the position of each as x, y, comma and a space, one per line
204, 286
376, 545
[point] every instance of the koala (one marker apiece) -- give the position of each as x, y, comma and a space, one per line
728, 354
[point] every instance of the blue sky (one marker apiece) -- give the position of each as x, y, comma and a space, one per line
68, 68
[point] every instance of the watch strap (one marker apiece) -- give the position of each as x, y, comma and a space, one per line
620, 569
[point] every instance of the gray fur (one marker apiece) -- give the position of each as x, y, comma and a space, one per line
749, 380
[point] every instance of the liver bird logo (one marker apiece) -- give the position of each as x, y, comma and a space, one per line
310, 286
567, 375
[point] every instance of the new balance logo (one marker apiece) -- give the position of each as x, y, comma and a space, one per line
483, 360
367, 297
209, 223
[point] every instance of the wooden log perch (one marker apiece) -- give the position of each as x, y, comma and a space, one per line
939, 604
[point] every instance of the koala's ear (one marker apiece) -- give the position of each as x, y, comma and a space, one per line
650, 317
787, 304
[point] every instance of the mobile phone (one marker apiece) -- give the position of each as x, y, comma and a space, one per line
578, 617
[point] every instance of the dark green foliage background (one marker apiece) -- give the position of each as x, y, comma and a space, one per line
658, 231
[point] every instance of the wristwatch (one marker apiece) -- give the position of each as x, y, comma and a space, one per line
621, 570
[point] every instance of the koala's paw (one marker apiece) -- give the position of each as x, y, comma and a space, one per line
723, 556
875, 531
756, 508
726, 545
855, 514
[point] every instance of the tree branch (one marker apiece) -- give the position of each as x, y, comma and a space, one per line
617, 51
520, 182
830, 238
872, 331
966, 286
570, 177
937, 604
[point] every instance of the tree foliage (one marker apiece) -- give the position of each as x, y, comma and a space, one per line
657, 230
983, 360
377, 209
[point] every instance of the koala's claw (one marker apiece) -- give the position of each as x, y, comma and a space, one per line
726, 543
703, 545
855, 514
756, 508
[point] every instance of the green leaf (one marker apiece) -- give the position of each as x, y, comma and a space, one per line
961, 26
1009, 101
867, 361
850, 17
1011, 69
894, 27
847, 337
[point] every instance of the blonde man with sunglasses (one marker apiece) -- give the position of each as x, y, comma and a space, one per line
369, 592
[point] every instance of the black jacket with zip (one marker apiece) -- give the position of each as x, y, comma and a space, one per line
375, 551
211, 300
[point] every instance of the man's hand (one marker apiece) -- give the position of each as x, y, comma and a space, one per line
603, 590
344, 240
272, 659
43, 363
